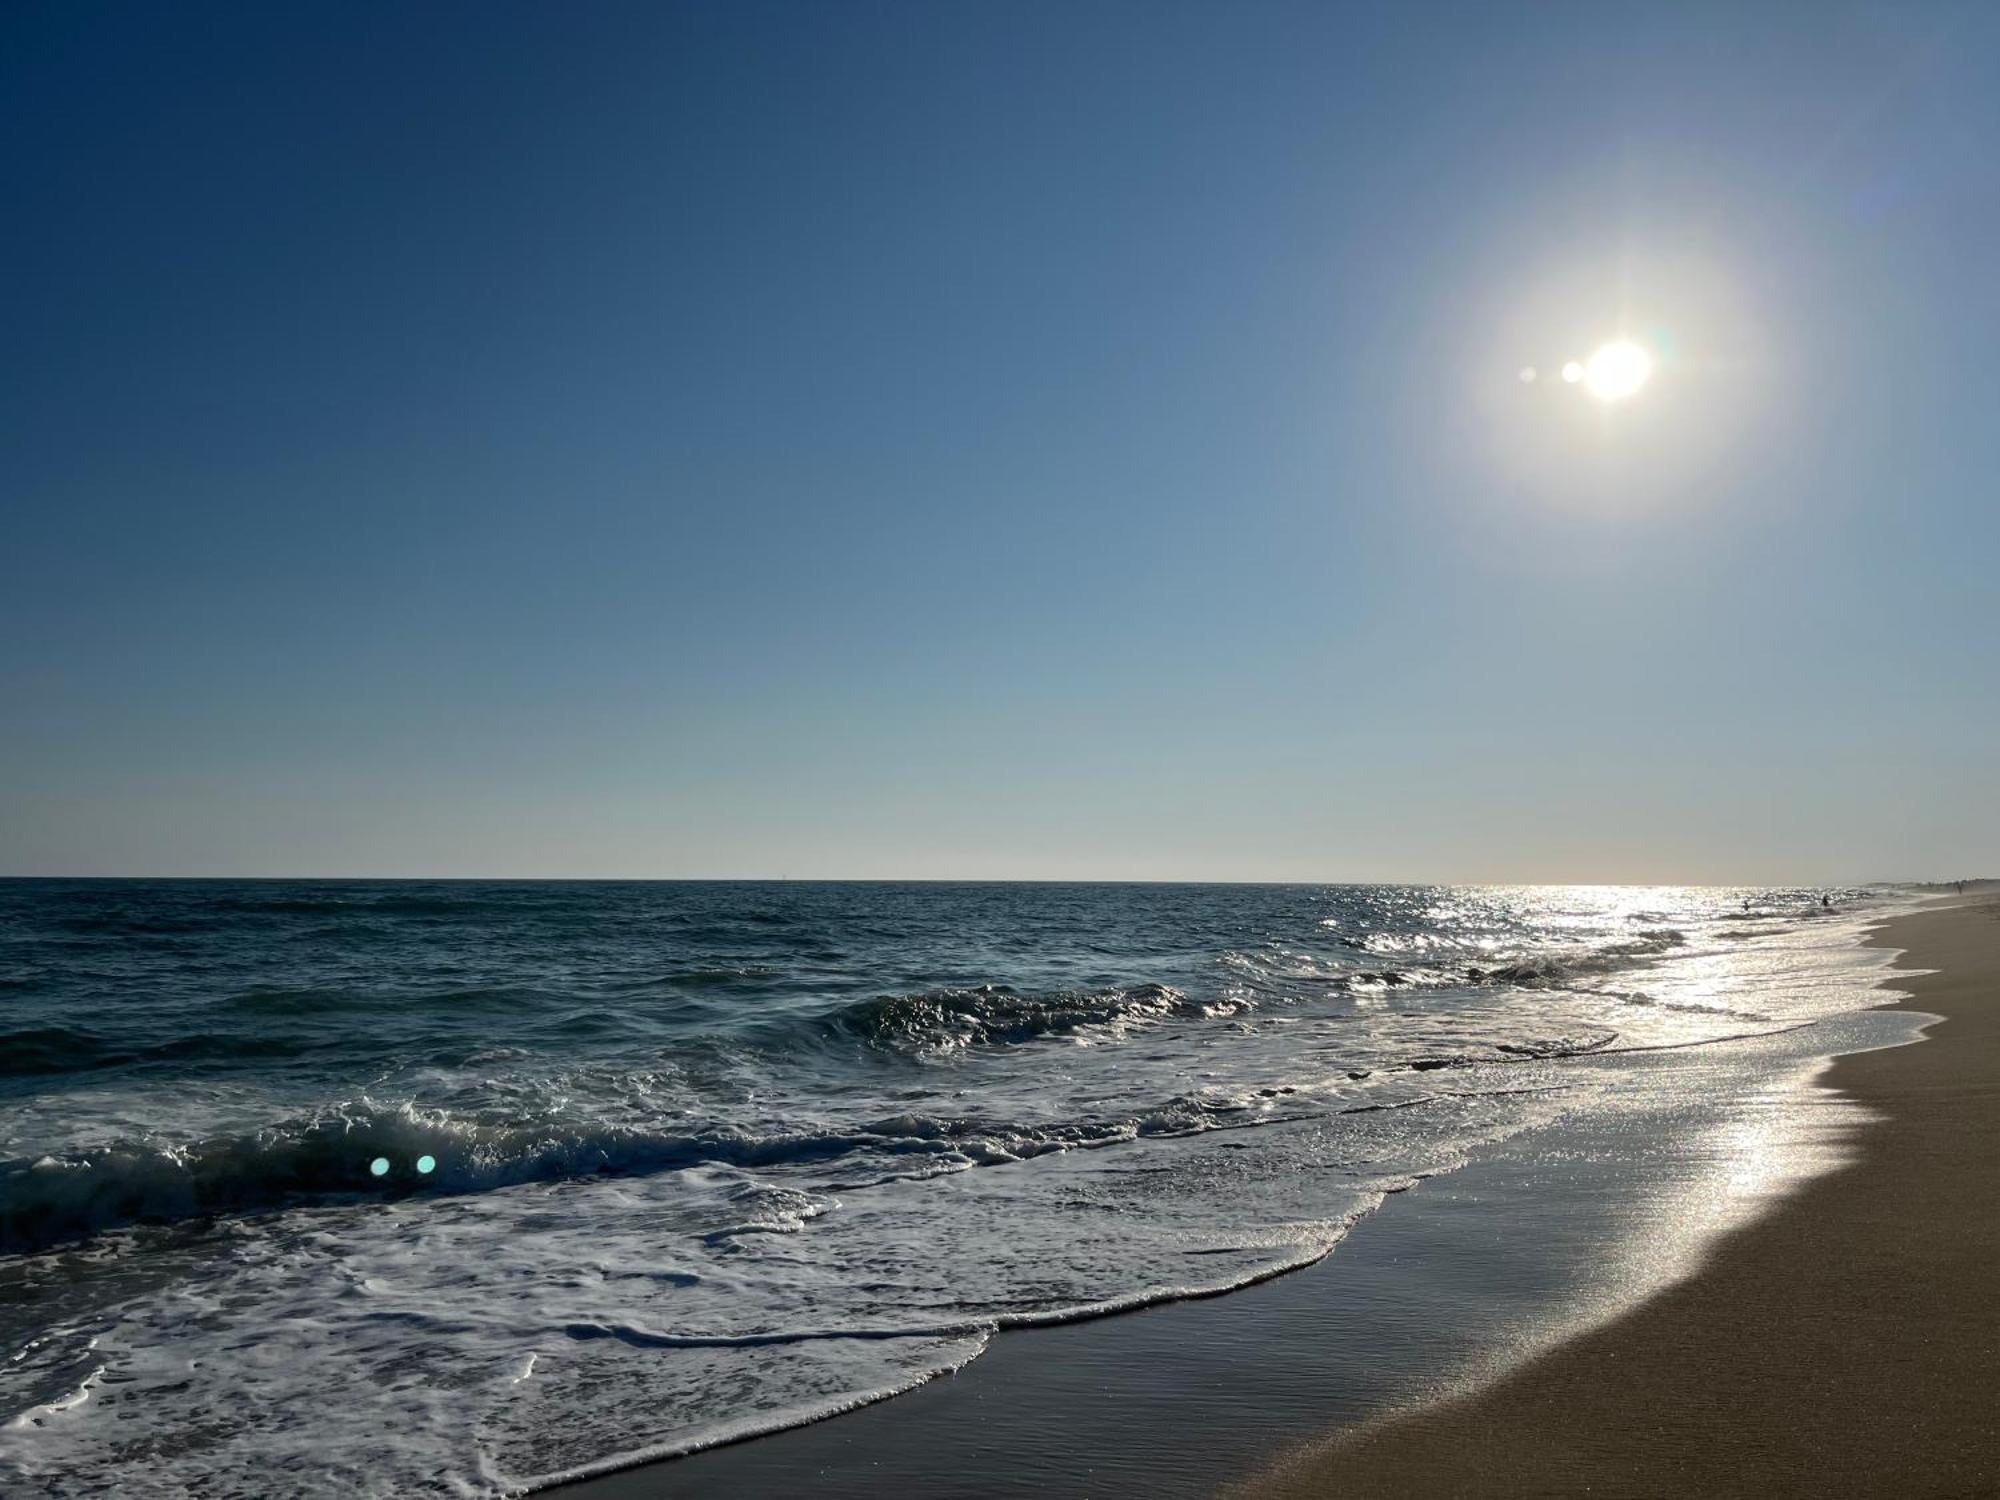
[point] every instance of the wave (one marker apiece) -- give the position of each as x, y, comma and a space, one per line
1296, 975
1538, 1049
261, 1025
1556, 970
203, 914
992, 1014
65, 1049
1653, 1002
121, 924
733, 979
53, 1049
323, 1002
401, 904
960, 1340
328, 1157
998, 1015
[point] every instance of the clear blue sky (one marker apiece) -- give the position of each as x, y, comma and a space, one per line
1071, 440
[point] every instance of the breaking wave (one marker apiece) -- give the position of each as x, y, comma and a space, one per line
662, 1164
993, 1014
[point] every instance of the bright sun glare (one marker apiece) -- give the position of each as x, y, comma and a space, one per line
1615, 371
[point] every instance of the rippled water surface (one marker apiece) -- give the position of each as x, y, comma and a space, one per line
392, 1188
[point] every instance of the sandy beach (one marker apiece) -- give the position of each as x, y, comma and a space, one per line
1000, 752
1846, 1343
1712, 1291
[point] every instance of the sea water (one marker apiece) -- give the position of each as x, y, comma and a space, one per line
387, 1188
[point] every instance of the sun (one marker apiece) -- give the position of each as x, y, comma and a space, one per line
1615, 371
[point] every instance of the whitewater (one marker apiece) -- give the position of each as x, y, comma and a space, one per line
387, 1188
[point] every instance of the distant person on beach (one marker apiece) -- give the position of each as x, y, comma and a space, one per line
1826, 901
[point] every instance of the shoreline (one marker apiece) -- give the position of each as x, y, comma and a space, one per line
1549, 1235
1845, 1341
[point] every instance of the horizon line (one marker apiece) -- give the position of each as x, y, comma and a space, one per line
1003, 880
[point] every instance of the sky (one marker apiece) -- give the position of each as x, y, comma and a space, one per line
1078, 441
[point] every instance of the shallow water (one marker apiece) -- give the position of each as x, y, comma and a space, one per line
1539, 1237
705, 1159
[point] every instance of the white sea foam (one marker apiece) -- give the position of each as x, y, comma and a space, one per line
618, 1259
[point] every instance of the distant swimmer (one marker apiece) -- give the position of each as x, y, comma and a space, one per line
1826, 901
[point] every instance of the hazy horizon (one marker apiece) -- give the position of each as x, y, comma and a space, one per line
1088, 441
1307, 882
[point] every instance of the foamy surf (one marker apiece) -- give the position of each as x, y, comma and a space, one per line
665, 1166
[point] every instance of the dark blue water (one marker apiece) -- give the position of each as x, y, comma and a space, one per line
392, 1186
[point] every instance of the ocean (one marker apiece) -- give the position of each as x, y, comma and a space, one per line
438, 1187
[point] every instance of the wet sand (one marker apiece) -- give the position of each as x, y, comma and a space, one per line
1557, 1231
1847, 1342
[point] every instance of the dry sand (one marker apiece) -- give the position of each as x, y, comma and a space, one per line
1846, 1343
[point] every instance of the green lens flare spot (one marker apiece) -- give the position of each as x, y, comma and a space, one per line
426, 1165
380, 1166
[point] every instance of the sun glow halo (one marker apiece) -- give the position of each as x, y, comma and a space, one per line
1616, 370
